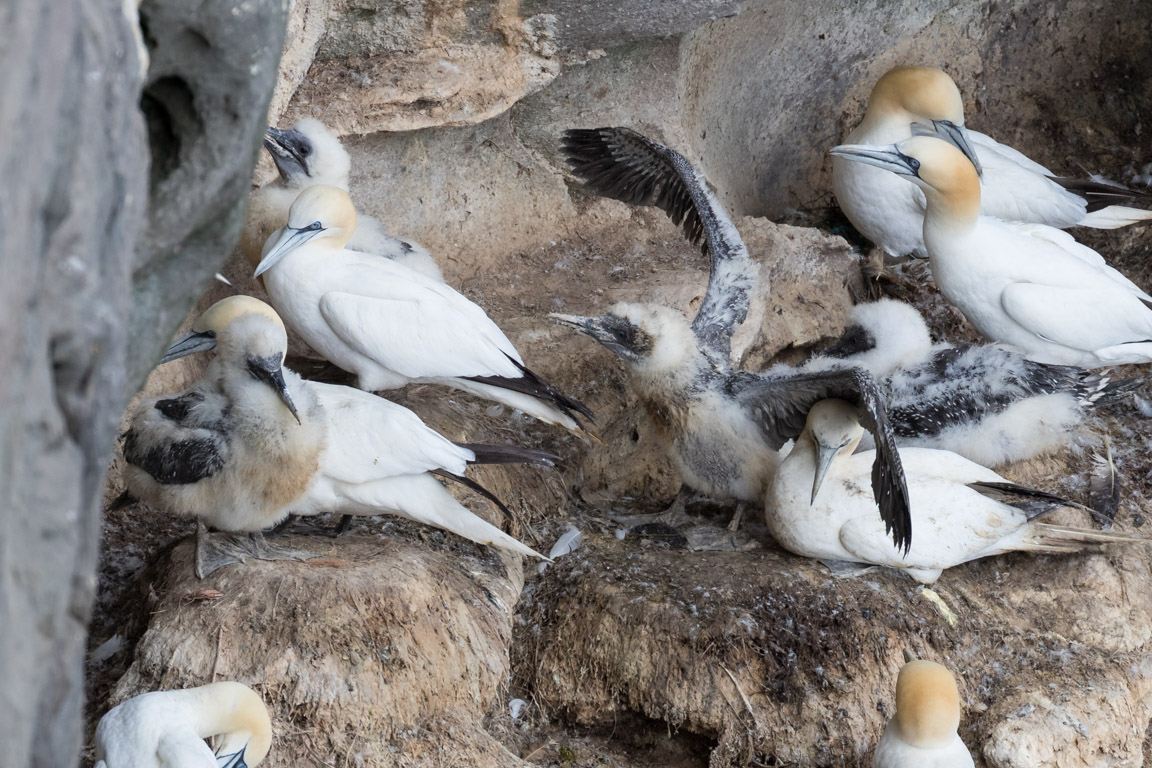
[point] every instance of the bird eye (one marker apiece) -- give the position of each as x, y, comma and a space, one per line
313, 227
305, 150
914, 164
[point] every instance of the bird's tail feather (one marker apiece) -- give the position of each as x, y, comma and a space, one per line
1115, 217
1108, 198
1096, 389
509, 454
1055, 538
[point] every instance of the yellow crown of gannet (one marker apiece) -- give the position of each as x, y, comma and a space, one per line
390, 325
1026, 285
374, 456
923, 732
987, 403
1014, 187
167, 729
306, 155
722, 427
821, 505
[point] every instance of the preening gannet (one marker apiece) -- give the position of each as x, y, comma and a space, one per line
375, 457
306, 155
1013, 187
723, 427
1027, 285
167, 729
987, 403
821, 506
922, 734
236, 448
388, 324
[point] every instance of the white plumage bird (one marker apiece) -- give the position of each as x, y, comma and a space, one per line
987, 403
923, 734
1013, 187
388, 324
821, 505
306, 155
368, 456
167, 729
1027, 285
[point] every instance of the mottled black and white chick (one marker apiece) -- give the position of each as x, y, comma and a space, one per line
723, 427
987, 403
306, 155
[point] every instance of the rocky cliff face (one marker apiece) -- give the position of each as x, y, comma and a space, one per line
629, 649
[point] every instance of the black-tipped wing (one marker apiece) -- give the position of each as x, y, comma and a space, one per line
780, 404
624, 165
1100, 194
531, 384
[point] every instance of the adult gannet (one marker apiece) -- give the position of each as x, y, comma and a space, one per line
236, 448
722, 427
388, 324
306, 155
820, 505
1027, 285
167, 729
923, 732
1013, 187
987, 403
375, 457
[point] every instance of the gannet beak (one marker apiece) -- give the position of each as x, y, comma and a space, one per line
281, 147
824, 458
290, 239
585, 325
957, 135
188, 344
909, 656
269, 371
235, 760
889, 158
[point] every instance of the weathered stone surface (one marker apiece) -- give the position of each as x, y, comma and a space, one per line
213, 67
380, 652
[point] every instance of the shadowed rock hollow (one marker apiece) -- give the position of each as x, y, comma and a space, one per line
631, 652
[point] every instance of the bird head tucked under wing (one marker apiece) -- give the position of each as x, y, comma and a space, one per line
926, 98
308, 153
320, 212
836, 431
933, 164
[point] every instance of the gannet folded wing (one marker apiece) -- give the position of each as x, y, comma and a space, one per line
1070, 246
413, 325
374, 438
1104, 318
782, 403
627, 166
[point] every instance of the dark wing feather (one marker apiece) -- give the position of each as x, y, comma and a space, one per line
622, 164
1099, 194
531, 384
177, 462
780, 404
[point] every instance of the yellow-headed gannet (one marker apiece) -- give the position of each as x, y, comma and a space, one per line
923, 732
167, 729
1013, 187
722, 427
1026, 285
376, 457
388, 324
306, 155
987, 403
821, 506
236, 448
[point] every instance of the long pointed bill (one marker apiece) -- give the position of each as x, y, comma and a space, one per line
269, 371
887, 157
235, 760
957, 136
277, 383
578, 322
189, 344
824, 458
290, 240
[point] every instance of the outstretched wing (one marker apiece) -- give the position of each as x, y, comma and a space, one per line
624, 165
780, 404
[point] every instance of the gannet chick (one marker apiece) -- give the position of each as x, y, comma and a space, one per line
306, 155
987, 403
722, 427
388, 324
1025, 285
923, 732
167, 729
237, 447
377, 456
821, 506
1013, 187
